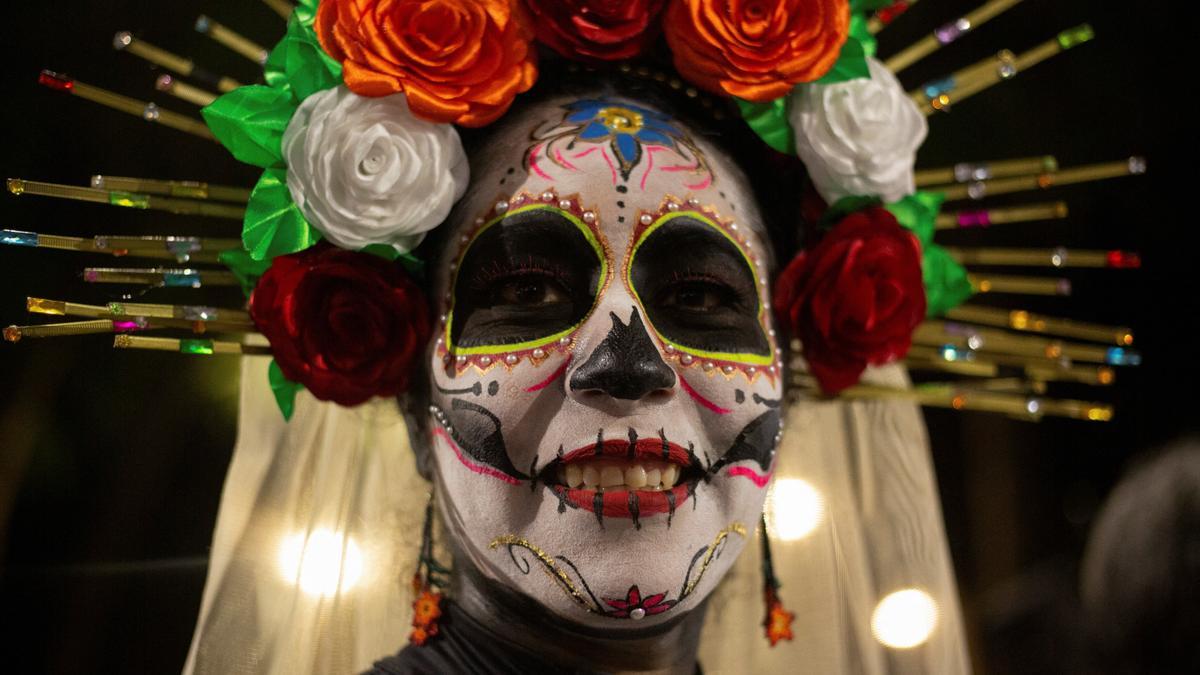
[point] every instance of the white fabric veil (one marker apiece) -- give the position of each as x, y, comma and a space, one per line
320, 522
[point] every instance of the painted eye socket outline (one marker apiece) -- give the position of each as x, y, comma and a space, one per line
583, 221
669, 212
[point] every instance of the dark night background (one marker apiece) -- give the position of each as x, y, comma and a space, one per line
112, 459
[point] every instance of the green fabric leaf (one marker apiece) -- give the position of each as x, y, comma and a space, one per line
385, 251
307, 68
770, 121
306, 12
844, 207
946, 283
851, 63
273, 225
284, 389
918, 212
859, 31
864, 6
273, 69
250, 121
246, 269
413, 265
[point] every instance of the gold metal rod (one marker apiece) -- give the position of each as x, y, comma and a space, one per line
149, 112
965, 172
956, 88
187, 313
170, 278
183, 90
1134, 166
970, 368
281, 7
948, 33
186, 346
1101, 376
1020, 285
20, 186
953, 220
231, 39
957, 397
173, 188
46, 330
178, 251
988, 340
124, 41
1022, 320
1051, 257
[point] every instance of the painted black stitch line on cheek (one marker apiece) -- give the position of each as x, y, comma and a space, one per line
769, 402
598, 507
599, 443
670, 507
632, 443
691, 489
560, 451
633, 509
475, 389
666, 449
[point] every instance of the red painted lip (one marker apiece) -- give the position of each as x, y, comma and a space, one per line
655, 447
620, 503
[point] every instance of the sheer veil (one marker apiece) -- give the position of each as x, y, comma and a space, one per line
319, 526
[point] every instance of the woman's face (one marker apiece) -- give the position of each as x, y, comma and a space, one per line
606, 385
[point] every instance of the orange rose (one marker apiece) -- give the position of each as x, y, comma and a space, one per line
460, 61
755, 49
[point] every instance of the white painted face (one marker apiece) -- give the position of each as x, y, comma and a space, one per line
606, 382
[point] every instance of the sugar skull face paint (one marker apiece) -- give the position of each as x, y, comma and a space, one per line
605, 385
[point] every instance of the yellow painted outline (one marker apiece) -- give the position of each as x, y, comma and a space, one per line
757, 359
539, 342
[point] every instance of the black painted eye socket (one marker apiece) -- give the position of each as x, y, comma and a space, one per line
524, 281
698, 289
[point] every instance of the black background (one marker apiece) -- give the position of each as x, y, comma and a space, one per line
110, 459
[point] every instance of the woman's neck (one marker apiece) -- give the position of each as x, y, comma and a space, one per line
517, 619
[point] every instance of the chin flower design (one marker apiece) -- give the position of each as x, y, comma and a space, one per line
634, 606
366, 171
859, 137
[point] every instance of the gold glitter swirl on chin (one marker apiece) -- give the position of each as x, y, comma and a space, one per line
711, 553
552, 570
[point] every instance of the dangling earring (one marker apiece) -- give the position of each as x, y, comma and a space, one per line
778, 621
429, 584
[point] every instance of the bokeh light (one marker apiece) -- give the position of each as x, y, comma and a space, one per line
321, 561
904, 619
794, 509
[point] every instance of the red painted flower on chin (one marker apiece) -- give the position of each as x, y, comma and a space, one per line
855, 298
627, 608
346, 325
596, 30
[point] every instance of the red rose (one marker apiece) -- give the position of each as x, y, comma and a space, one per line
854, 298
346, 325
597, 30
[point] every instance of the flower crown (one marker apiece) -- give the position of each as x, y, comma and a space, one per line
354, 131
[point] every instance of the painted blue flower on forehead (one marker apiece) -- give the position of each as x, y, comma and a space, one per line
626, 127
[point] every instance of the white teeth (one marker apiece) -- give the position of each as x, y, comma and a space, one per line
670, 475
611, 476
610, 473
635, 476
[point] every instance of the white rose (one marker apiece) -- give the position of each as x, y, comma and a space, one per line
858, 137
366, 171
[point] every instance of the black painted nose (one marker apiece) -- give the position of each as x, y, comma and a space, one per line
625, 365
